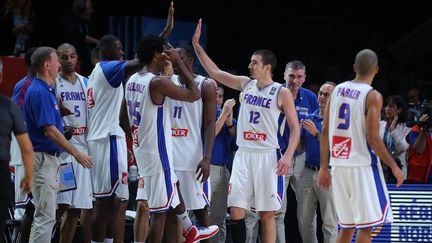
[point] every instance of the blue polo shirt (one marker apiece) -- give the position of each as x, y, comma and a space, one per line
41, 109
305, 103
312, 144
222, 152
20, 90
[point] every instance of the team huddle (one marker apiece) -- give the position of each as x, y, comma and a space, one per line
171, 121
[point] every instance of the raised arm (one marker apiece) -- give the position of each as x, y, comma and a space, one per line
133, 65
170, 22
286, 102
373, 112
228, 79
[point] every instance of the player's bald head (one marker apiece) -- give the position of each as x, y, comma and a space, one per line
366, 62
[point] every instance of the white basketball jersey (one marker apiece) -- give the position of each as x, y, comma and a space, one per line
150, 126
73, 98
186, 125
258, 123
103, 103
347, 125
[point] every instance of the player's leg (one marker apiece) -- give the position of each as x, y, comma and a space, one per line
85, 224
68, 225
240, 194
364, 235
268, 190
157, 226
173, 225
268, 225
195, 196
120, 222
203, 218
101, 213
192, 233
238, 226
345, 235
141, 222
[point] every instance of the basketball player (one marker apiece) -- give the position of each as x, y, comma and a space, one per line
193, 126
351, 135
148, 98
106, 139
258, 167
71, 91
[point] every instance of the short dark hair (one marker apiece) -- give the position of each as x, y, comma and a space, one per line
105, 43
189, 51
295, 65
267, 57
40, 56
148, 46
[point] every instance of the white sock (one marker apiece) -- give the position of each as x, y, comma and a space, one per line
108, 240
185, 220
92, 241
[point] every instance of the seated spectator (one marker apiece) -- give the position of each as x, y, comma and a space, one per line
420, 152
16, 26
393, 131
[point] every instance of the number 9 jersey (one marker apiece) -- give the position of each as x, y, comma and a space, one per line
347, 125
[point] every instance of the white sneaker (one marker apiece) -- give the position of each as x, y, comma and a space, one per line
197, 233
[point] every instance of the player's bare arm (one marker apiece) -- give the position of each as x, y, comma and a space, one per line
324, 178
124, 120
208, 92
286, 103
170, 22
233, 81
133, 65
374, 103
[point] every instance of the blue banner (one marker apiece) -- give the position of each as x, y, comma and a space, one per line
412, 213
